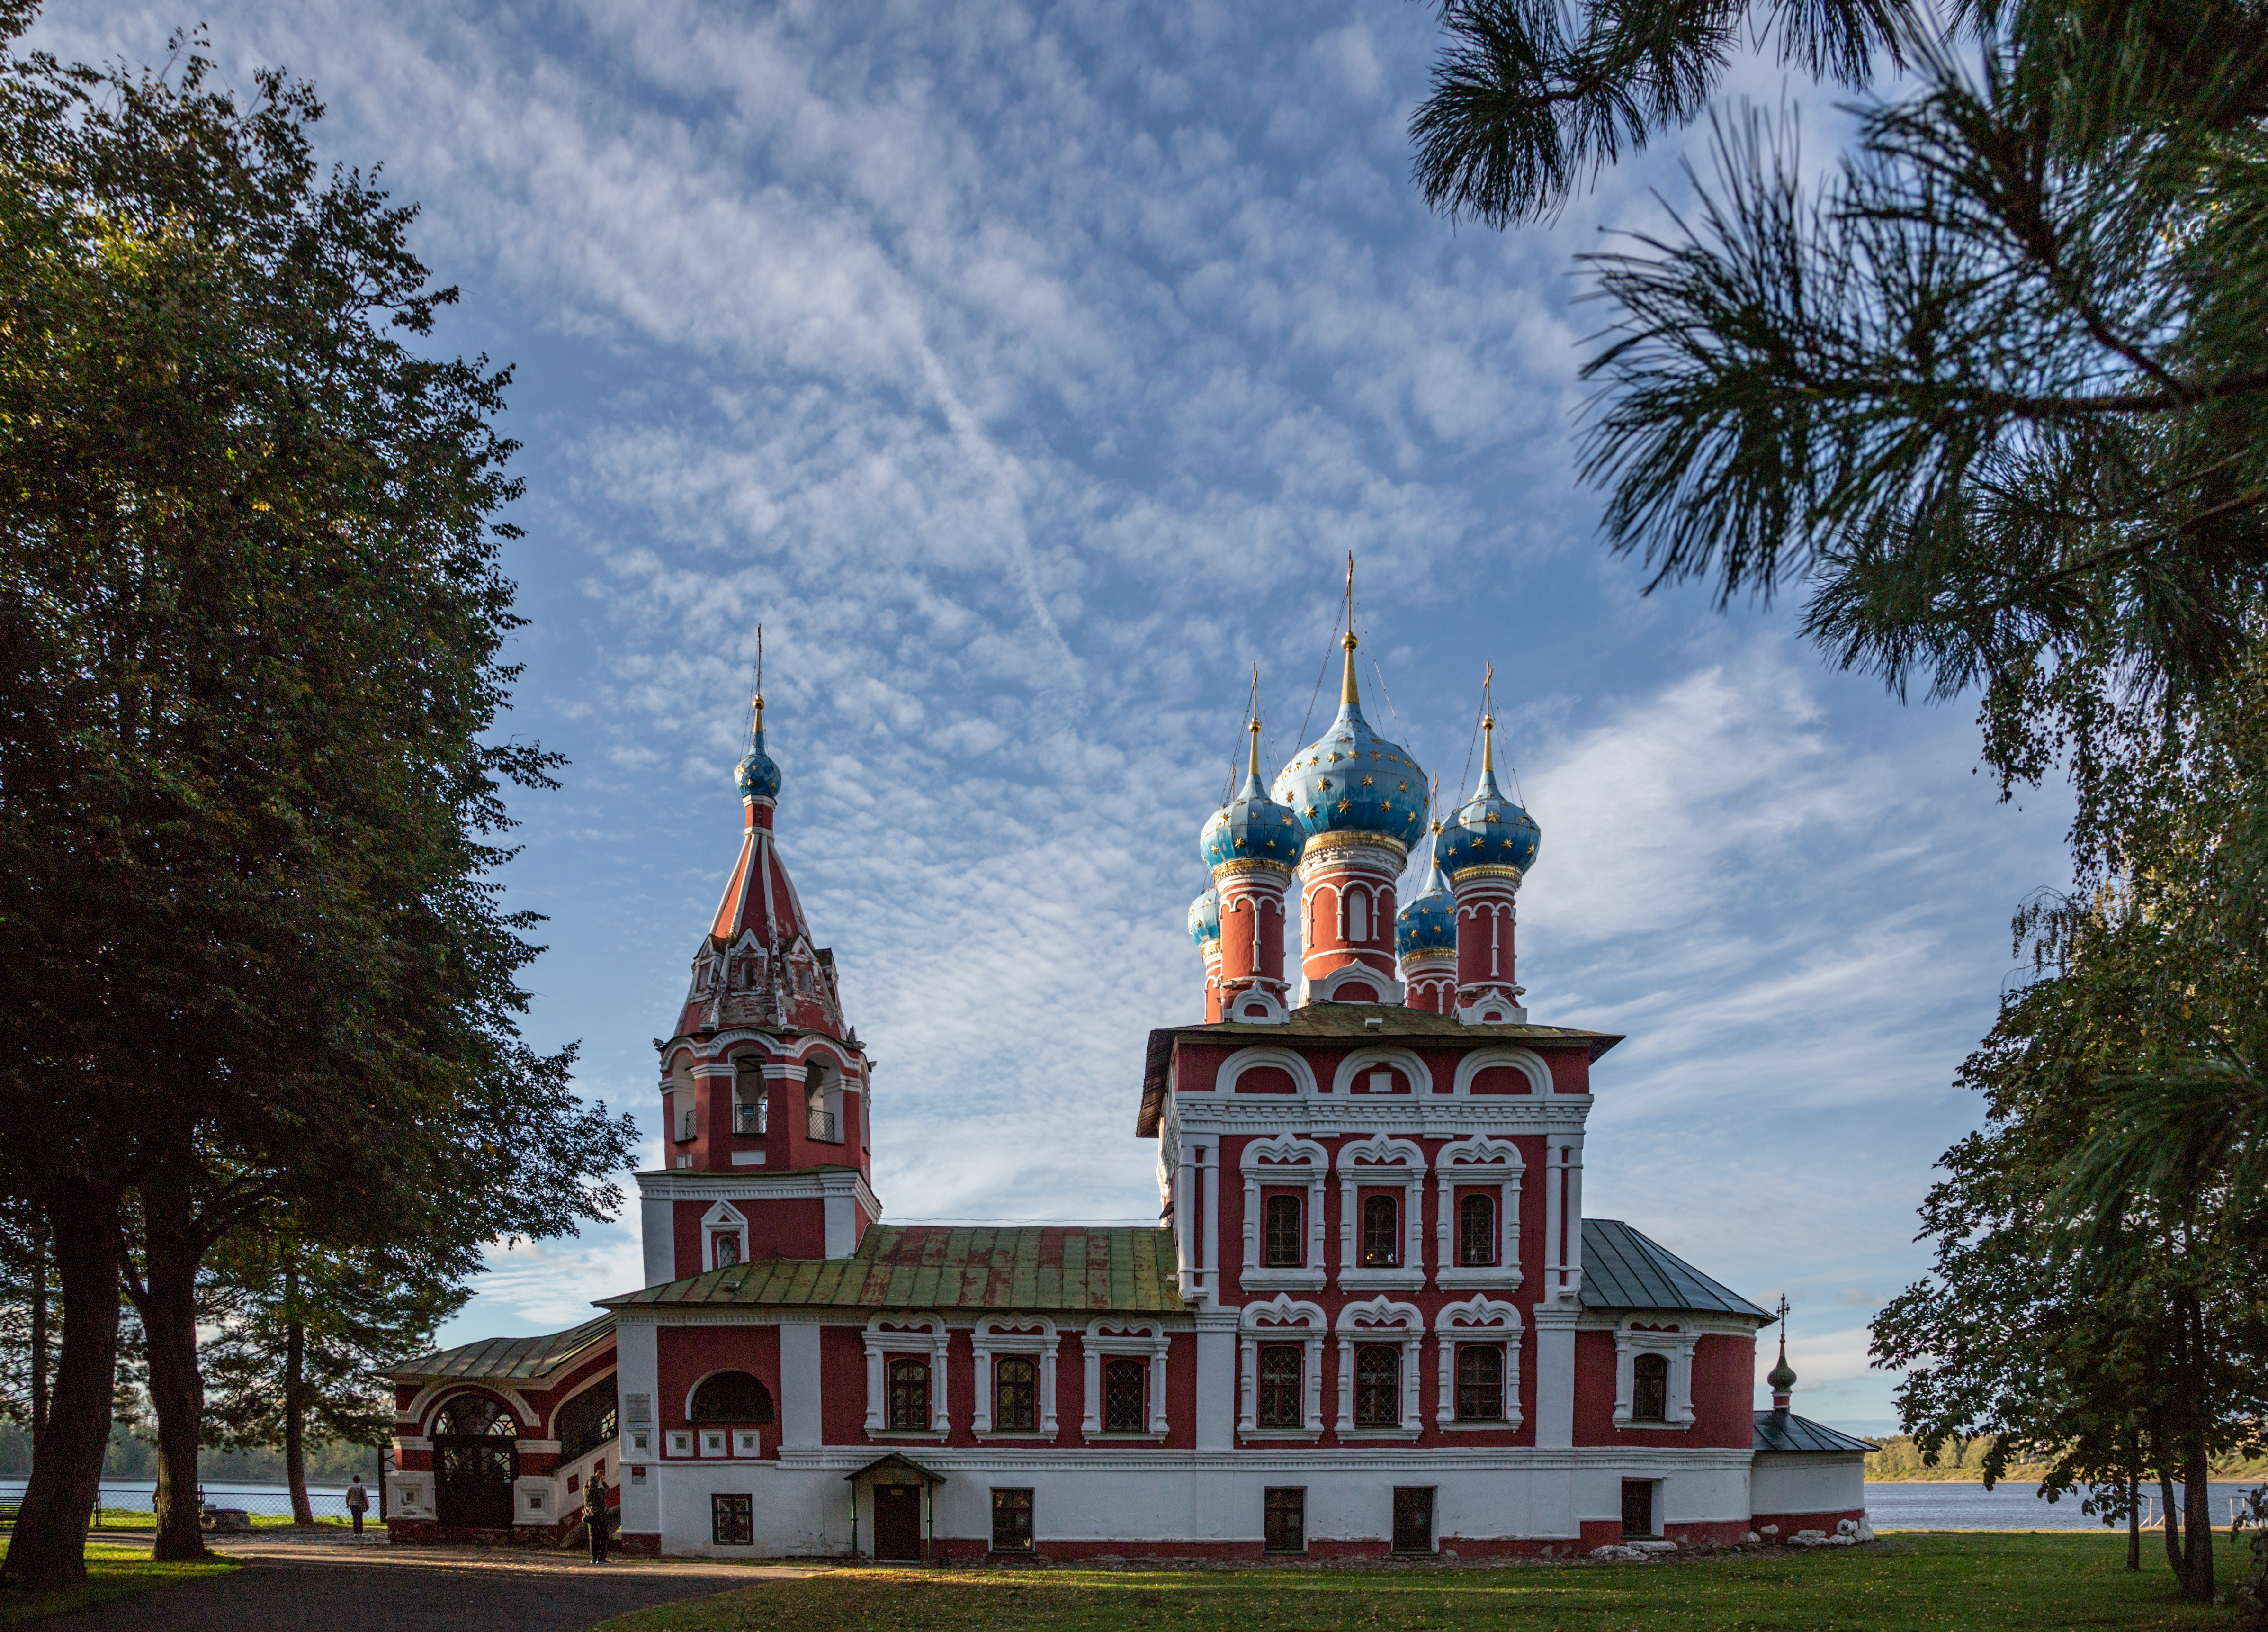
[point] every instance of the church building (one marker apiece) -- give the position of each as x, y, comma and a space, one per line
1373, 1318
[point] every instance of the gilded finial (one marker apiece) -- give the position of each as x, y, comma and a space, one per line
1349, 694
1253, 764
1488, 722
758, 700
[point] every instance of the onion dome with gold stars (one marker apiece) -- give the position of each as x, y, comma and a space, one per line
1488, 829
1204, 918
756, 776
1429, 922
1252, 827
1352, 780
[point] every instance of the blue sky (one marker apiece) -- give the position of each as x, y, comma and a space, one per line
1028, 371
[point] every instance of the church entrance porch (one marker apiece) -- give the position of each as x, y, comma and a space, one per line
897, 1523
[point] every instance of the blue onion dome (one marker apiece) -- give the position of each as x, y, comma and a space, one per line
1352, 780
757, 777
1252, 827
1429, 922
1489, 830
1204, 918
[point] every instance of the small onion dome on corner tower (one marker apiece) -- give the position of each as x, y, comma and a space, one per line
1205, 930
1425, 936
1486, 849
1361, 801
757, 777
1252, 844
1781, 1377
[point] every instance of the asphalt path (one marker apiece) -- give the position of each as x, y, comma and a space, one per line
337, 1585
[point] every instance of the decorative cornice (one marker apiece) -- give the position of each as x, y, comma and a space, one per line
1442, 1118
1323, 846
1241, 867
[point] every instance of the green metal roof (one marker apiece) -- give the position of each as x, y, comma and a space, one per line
508, 1359
1621, 1269
1783, 1430
937, 1266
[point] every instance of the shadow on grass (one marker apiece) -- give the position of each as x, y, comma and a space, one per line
1920, 1582
112, 1572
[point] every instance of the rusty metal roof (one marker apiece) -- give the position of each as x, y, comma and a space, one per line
1067, 1268
509, 1359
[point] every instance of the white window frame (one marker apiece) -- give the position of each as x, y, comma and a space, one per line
1635, 1335
1382, 1162
1380, 1319
1036, 1339
1285, 1161
1476, 1160
1147, 1339
723, 1219
906, 1335
1281, 1320
1475, 1320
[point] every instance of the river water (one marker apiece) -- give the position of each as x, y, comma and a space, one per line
1935, 1504
140, 1496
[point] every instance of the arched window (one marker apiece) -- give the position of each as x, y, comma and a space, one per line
747, 1097
586, 1421
1477, 1230
470, 1414
1015, 1393
1378, 1385
1281, 1386
1287, 1246
1125, 1394
1650, 1388
1356, 906
1480, 1383
731, 1397
1381, 1236
910, 1394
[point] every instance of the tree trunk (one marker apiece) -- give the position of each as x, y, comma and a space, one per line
2172, 1525
167, 1300
2197, 1508
2134, 1522
38, 1332
48, 1547
295, 1406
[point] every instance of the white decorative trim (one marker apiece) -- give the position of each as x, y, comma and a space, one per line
1478, 1319
1293, 1064
1477, 1159
1402, 1060
1281, 1317
1491, 1010
1380, 1161
1286, 1159
1145, 1339
1391, 991
1256, 1006
905, 1334
1000, 1335
436, 1394
1675, 1344
723, 1219
1379, 1319
1526, 1061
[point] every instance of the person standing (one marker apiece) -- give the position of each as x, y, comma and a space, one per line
357, 1503
595, 1516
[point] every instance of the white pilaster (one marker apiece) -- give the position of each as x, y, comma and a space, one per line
1555, 1377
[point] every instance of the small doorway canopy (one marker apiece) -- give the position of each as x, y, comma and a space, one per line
895, 1466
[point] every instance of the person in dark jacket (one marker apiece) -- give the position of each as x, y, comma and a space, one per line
595, 1517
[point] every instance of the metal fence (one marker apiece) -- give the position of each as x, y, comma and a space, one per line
130, 1502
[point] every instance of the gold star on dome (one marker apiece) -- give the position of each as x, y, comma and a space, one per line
1493, 816
1240, 843
1366, 781
1375, 754
1402, 787
1322, 785
1346, 805
1309, 810
1335, 759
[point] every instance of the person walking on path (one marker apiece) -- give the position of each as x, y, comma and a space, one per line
357, 1503
595, 1516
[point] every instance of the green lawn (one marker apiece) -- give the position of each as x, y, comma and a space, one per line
1973, 1581
111, 1572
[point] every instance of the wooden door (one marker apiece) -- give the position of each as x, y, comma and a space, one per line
897, 1523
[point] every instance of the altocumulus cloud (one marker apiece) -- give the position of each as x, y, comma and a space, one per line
1026, 371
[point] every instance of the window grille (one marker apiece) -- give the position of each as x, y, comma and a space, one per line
1413, 1518
748, 1115
1378, 1385
1015, 1393
731, 1397
732, 1520
1281, 1405
1285, 1526
1477, 1230
1125, 1390
821, 1127
1011, 1520
1380, 1235
1287, 1249
1480, 1383
727, 1245
1650, 1388
908, 1394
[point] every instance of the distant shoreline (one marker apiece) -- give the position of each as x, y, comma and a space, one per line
1897, 1462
